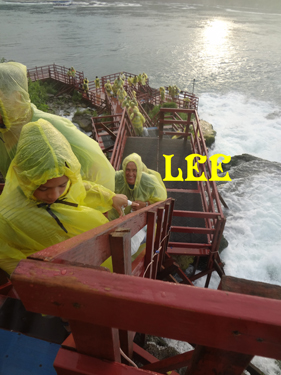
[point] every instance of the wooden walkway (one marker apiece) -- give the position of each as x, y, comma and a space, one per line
226, 327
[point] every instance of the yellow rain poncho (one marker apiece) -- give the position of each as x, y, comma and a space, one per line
148, 186
28, 225
137, 121
16, 110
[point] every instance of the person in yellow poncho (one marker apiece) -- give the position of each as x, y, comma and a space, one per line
140, 184
137, 121
45, 201
71, 72
17, 110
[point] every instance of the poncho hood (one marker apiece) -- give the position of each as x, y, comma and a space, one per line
140, 168
28, 225
15, 107
43, 153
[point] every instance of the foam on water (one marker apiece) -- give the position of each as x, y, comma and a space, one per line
242, 125
254, 216
253, 228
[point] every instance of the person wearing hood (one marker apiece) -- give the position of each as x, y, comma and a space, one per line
137, 120
45, 201
16, 110
140, 184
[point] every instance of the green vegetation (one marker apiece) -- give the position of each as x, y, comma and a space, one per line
89, 112
169, 105
154, 111
77, 96
38, 94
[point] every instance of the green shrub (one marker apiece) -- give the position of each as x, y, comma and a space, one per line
38, 95
154, 111
169, 105
50, 88
77, 96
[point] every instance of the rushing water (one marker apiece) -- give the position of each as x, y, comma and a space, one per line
234, 56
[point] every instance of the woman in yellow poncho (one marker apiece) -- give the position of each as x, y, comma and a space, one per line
16, 110
45, 201
140, 184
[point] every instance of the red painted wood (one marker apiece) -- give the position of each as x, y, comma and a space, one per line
120, 244
160, 215
177, 110
192, 230
69, 343
95, 340
171, 363
138, 264
188, 191
5, 288
164, 234
168, 268
182, 251
210, 360
71, 363
93, 247
189, 245
246, 324
144, 357
254, 288
202, 215
172, 121
217, 361
150, 237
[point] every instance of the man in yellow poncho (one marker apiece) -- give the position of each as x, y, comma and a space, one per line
17, 110
45, 201
140, 184
137, 121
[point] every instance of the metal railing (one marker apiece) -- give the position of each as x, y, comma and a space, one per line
212, 211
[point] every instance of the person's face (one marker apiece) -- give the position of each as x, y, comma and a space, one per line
51, 190
131, 173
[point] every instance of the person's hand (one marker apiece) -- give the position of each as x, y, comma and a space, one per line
137, 205
119, 201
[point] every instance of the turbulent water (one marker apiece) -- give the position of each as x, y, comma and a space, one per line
234, 56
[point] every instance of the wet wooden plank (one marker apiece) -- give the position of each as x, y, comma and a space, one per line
254, 288
150, 238
242, 323
217, 361
169, 364
71, 363
93, 247
95, 340
120, 243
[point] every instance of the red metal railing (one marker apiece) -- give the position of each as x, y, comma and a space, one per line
212, 211
125, 129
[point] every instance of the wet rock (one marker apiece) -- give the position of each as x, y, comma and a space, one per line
239, 159
223, 244
84, 121
208, 132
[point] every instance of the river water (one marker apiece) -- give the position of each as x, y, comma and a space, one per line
229, 56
